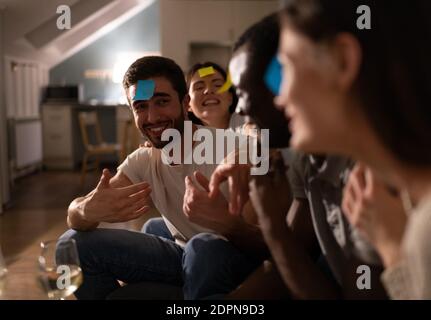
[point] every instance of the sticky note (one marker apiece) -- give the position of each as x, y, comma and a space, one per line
273, 76
203, 72
226, 86
144, 90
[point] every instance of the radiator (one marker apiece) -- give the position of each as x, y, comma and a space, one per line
26, 143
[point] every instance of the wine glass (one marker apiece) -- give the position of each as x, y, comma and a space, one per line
60, 273
3, 274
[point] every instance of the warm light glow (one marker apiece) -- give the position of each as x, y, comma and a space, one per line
124, 60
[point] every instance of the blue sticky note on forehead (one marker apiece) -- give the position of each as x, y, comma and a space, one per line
144, 90
273, 76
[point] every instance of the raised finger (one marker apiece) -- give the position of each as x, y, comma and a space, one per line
233, 195
220, 175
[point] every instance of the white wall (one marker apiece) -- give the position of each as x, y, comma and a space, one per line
4, 177
24, 82
206, 21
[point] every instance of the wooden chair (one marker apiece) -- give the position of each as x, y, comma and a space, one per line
88, 120
127, 132
129, 137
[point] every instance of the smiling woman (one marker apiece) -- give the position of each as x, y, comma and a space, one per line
209, 106
365, 94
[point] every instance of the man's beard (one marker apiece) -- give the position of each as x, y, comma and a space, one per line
177, 124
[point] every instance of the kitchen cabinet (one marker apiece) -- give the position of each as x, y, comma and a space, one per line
59, 132
62, 142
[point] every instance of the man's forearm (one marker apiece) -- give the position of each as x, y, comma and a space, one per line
299, 272
75, 216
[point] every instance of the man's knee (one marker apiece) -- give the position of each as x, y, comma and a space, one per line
207, 248
86, 243
203, 241
210, 266
151, 225
157, 227
78, 236
68, 235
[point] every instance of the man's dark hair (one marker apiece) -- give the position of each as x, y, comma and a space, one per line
394, 81
217, 68
262, 44
155, 66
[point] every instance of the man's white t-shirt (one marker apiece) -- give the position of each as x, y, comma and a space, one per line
168, 186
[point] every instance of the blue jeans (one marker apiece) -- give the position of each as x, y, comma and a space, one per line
206, 266
157, 227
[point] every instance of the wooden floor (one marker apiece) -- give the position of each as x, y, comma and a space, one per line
38, 213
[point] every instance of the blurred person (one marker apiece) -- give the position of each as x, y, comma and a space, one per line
315, 221
362, 94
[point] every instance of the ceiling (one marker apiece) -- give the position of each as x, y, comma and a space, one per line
30, 30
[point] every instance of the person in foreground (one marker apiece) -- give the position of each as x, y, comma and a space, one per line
359, 93
315, 249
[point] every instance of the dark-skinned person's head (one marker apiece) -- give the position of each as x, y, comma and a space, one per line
252, 54
358, 91
166, 107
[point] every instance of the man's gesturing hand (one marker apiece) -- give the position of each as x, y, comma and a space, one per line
208, 212
108, 204
271, 195
238, 176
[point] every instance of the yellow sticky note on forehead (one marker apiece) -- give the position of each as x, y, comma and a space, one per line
203, 72
226, 86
